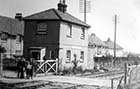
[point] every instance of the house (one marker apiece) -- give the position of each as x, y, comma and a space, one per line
11, 35
54, 33
119, 49
96, 48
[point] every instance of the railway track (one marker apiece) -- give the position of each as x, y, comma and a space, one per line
108, 74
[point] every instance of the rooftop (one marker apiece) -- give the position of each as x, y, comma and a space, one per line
11, 26
94, 40
54, 14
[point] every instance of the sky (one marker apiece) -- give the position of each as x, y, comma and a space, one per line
101, 17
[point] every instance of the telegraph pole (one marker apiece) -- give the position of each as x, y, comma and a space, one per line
115, 27
85, 11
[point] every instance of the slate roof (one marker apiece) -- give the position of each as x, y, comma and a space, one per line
94, 40
110, 44
11, 26
54, 14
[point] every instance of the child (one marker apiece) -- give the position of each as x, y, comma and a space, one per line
29, 69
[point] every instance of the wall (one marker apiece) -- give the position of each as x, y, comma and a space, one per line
50, 40
11, 46
75, 44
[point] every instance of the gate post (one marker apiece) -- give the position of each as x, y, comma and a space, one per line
125, 73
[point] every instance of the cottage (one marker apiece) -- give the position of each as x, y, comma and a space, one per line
11, 35
119, 49
96, 48
56, 34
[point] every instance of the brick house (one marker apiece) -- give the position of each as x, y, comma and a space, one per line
11, 35
56, 34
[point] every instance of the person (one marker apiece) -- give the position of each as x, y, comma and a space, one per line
21, 67
30, 68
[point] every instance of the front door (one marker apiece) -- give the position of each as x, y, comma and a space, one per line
35, 54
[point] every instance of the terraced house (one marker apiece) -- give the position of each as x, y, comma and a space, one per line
119, 49
11, 35
96, 48
56, 34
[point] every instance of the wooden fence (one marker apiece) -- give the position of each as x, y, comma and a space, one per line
47, 66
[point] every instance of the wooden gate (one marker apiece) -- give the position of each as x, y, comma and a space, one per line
47, 66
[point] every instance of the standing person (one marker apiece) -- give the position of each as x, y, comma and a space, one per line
22, 66
19, 67
30, 68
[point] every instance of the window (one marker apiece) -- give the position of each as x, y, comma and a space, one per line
4, 37
18, 38
41, 28
82, 56
83, 33
69, 30
18, 52
68, 56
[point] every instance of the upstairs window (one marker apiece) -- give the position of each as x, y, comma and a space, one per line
4, 37
18, 38
68, 56
69, 33
83, 33
41, 28
82, 56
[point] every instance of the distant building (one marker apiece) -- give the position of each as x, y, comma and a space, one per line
119, 49
11, 35
96, 48
56, 34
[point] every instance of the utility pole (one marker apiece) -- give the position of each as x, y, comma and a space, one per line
115, 27
85, 7
85, 11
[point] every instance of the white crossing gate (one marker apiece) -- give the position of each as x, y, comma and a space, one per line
47, 66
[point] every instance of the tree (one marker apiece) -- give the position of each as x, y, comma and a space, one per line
2, 50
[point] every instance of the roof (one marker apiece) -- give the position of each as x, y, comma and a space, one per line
94, 40
110, 44
54, 14
11, 26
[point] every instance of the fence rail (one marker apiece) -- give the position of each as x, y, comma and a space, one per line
47, 66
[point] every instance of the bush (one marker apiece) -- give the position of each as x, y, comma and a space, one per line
79, 69
67, 71
10, 63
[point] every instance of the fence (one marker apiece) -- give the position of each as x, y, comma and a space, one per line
47, 66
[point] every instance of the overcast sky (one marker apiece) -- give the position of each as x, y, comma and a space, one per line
100, 18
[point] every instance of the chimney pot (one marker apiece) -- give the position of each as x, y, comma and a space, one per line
18, 16
62, 6
108, 39
93, 34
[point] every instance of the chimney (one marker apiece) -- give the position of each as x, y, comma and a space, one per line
62, 6
108, 39
65, 6
93, 34
18, 16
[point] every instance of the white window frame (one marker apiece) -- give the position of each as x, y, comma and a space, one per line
4, 37
83, 33
69, 33
82, 55
68, 55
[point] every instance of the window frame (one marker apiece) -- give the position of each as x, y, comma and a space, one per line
5, 37
43, 30
68, 55
82, 56
18, 38
69, 30
82, 33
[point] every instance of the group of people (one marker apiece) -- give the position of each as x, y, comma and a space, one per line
25, 68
